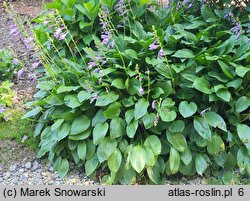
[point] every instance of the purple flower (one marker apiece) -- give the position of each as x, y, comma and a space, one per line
153, 46
35, 64
95, 97
153, 104
20, 72
13, 29
15, 61
236, 30
2, 110
28, 44
62, 36
141, 91
189, 6
106, 31
91, 64
100, 80
45, 22
160, 53
32, 76
6, 117
24, 138
58, 32
122, 8
248, 31
186, 2
105, 38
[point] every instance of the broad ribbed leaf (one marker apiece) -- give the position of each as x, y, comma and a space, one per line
141, 108
154, 143
99, 132
202, 128
80, 124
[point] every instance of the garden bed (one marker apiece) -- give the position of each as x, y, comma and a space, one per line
19, 165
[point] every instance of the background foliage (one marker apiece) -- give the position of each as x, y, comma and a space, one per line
135, 88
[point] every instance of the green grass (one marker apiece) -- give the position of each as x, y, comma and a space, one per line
15, 128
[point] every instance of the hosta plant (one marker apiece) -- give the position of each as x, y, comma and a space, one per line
134, 88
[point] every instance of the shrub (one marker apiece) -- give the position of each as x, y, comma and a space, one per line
136, 89
9, 65
6, 96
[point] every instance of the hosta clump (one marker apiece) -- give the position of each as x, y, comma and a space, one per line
148, 91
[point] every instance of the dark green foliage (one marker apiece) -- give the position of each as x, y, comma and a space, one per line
145, 112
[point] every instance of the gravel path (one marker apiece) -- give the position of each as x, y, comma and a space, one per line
38, 172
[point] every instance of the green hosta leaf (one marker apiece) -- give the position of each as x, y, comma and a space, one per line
141, 108
105, 99
131, 129
117, 127
63, 131
177, 140
176, 126
106, 148
82, 150
98, 118
129, 115
202, 128
91, 147
243, 159
114, 161
221, 158
63, 89
113, 110
158, 91
54, 100
81, 136
226, 70
243, 131
186, 156
57, 124
148, 120
215, 121
91, 165
154, 143
131, 54
32, 113
242, 104
83, 95
167, 116
241, 71
80, 124
72, 101
118, 83
202, 85
184, 54
215, 145
200, 164
187, 109
154, 175
137, 159
63, 168
222, 92
167, 103
207, 14
174, 160
99, 132
149, 157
